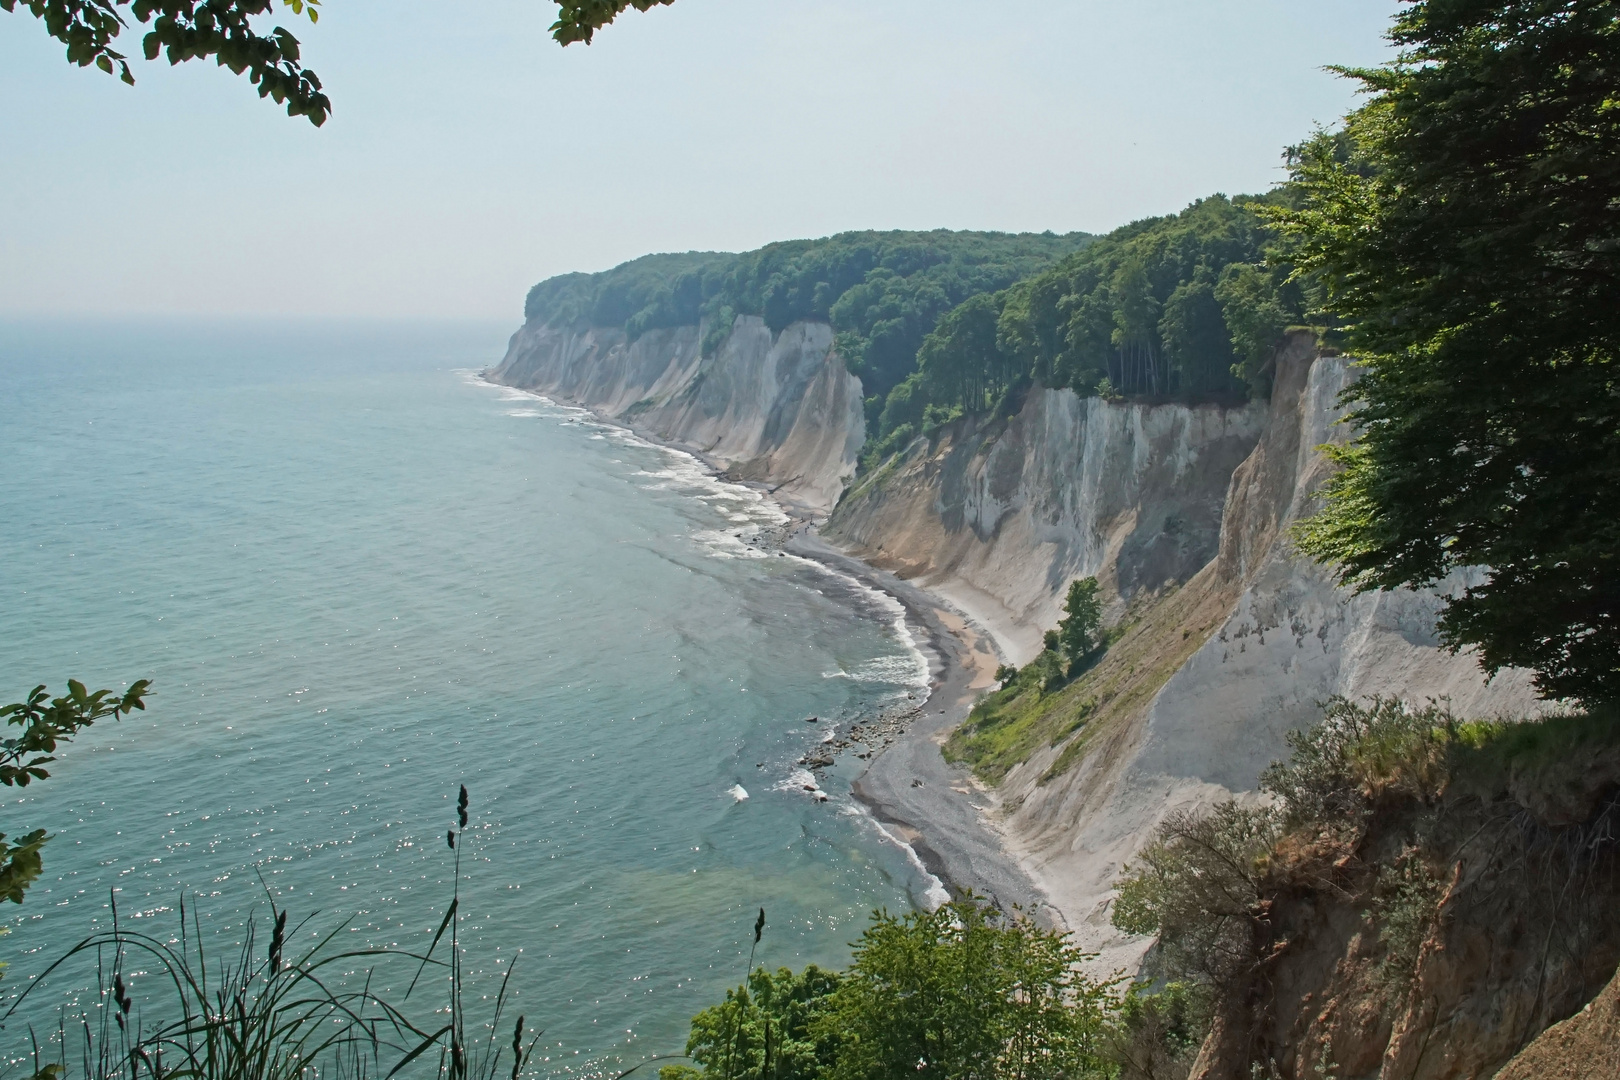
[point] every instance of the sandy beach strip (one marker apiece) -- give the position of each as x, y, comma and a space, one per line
940, 810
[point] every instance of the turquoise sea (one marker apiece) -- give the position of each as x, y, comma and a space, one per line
358, 578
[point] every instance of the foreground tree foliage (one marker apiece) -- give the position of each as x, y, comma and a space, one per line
190, 30
46, 721
222, 29
1466, 225
775, 1027
956, 993
579, 20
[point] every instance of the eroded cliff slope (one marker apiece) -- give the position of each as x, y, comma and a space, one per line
1229, 639
999, 517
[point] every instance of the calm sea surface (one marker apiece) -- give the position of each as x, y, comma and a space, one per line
358, 578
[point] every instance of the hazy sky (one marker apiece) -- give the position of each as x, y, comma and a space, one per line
469, 156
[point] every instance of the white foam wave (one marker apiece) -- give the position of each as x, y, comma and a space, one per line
682, 471
718, 544
935, 895
750, 512
548, 408
738, 793
910, 668
801, 782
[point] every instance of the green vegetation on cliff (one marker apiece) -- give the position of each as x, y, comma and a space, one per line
881, 291
1413, 850
1186, 305
1072, 698
1466, 225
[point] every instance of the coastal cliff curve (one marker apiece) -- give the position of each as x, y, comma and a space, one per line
774, 408
1226, 638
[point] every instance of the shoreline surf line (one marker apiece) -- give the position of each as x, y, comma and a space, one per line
944, 819
942, 822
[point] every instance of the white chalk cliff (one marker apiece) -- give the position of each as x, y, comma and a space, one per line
779, 409
1181, 511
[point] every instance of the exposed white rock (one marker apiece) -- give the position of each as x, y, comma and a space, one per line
1293, 639
999, 518
779, 408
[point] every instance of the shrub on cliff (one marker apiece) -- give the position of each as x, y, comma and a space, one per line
1389, 824
1335, 765
1079, 633
1156, 1033
1195, 887
1197, 883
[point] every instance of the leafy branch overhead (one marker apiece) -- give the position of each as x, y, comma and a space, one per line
46, 721
183, 30
578, 20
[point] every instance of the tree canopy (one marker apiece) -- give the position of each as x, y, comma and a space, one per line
1185, 305
960, 992
881, 291
579, 20
223, 30
1466, 225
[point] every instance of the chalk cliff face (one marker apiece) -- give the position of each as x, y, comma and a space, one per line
999, 519
1289, 639
1181, 512
779, 408
1234, 637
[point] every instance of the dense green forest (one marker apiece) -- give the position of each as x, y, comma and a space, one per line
1180, 306
941, 323
881, 291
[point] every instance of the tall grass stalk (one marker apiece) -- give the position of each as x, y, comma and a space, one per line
264, 1015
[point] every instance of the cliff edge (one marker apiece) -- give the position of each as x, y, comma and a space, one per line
1226, 638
